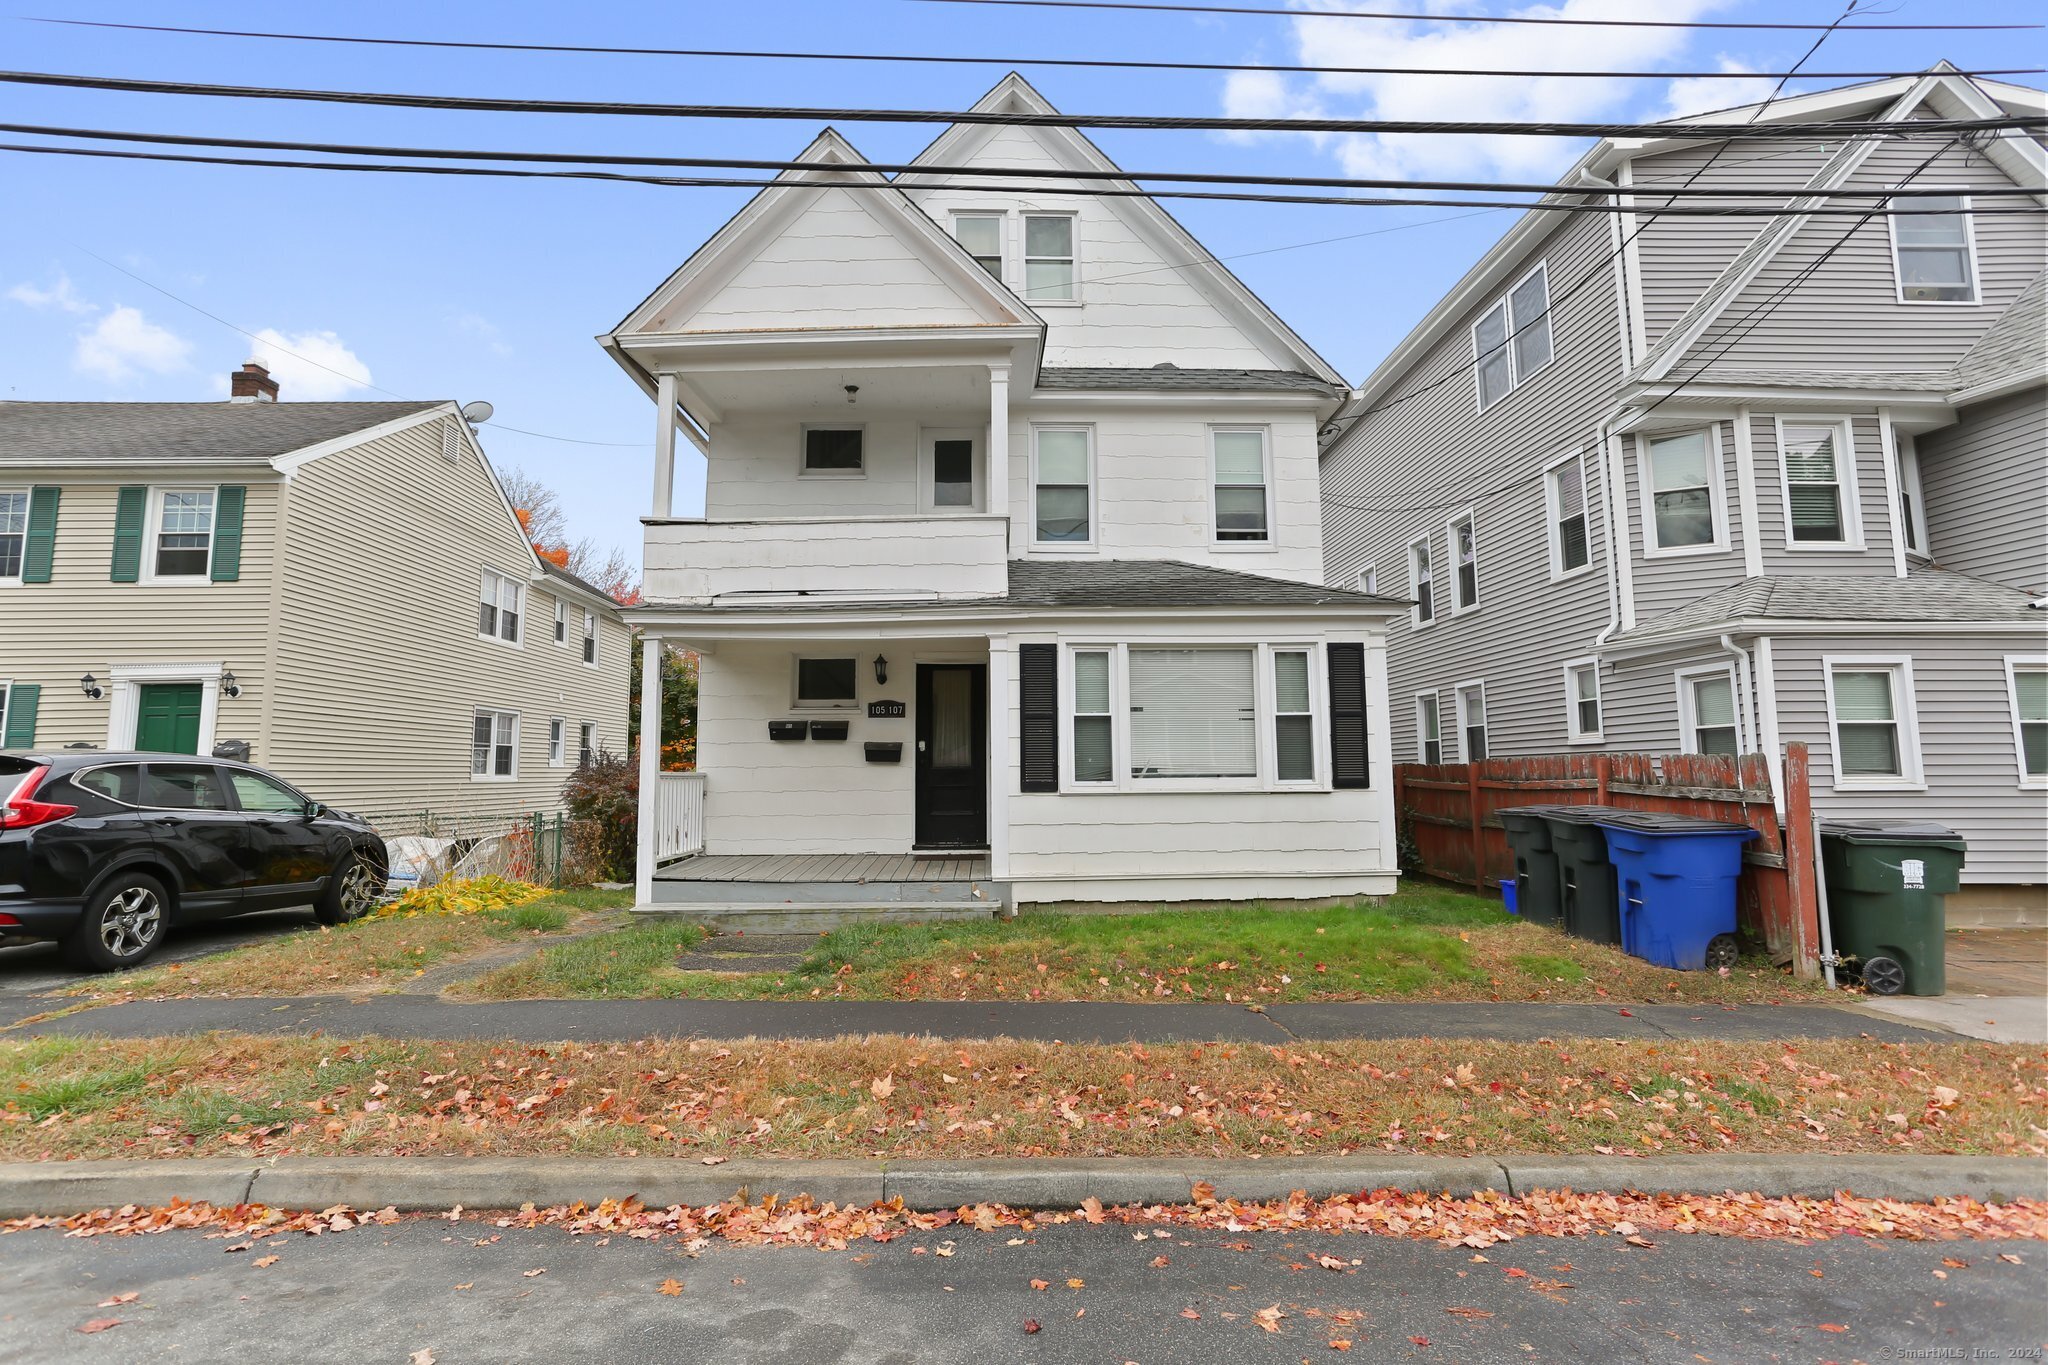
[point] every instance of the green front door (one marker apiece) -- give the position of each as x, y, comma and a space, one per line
167, 721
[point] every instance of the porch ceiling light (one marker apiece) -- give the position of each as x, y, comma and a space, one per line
91, 687
851, 390
229, 687
881, 669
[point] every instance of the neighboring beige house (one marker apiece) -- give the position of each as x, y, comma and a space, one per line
341, 586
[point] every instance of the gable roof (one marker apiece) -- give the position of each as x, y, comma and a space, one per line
181, 433
1143, 214
1923, 596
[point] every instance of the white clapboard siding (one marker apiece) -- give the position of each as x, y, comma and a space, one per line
950, 556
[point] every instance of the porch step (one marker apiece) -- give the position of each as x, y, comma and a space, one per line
811, 917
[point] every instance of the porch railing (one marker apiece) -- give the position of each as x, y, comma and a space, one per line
944, 555
678, 815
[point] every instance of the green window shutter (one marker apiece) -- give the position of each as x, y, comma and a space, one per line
39, 552
128, 510
227, 533
22, 700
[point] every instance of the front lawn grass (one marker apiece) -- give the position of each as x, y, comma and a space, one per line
262, 1097
1426, 943
370, 954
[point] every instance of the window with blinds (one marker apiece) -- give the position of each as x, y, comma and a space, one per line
2030, 714
1570, 547
1814, 500
1712, 715
1193, 713
1866, 722
1681, 477
1242, 509
1420, 584
1094, 760
1061, 458
1931, 251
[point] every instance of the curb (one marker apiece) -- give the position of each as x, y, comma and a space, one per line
55, 1188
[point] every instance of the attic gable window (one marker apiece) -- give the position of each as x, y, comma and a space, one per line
1933, 254
1049, 261
1511, 340
982, 236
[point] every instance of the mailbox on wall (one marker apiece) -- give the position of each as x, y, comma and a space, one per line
828, 729
884, 753
785, 730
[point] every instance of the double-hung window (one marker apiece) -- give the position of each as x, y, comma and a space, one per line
2028, 682
1472, 720
182, 546
1464, 564
1565, 493
981, 234
1243, 506
1429, 731
1369, 578
497, 613
1582, 700
1063, 467
494, 745
1932, 250
1094, 718
1819, 501
561, 622
1294, 732
1912, 502
557, 731
1511, 340
1681, 479
1049, 275
1707, 712
586, 744
1870, 711
589, 636
1421, 584
13, 530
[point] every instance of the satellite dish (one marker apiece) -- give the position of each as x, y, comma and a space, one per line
477, 412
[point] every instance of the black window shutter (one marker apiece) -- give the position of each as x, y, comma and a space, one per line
1348, 766
1038, 675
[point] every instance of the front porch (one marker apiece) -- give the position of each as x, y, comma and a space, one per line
812, 892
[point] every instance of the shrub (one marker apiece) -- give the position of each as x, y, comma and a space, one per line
462, 898
603, 798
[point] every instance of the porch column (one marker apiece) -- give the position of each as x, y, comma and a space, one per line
998, 476
664, 444
650, 768
1001, 658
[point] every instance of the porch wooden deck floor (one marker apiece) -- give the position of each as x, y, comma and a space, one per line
828, 867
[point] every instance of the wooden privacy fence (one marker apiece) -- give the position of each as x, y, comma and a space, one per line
1450, 823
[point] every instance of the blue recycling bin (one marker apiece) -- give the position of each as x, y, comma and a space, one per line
1676, 878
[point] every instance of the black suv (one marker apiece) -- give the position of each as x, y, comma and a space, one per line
103, 851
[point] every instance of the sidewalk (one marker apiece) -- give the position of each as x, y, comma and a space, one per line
408, 1016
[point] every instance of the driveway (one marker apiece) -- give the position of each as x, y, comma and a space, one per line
37, 968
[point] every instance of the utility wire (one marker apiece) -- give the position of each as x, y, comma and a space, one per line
912, 168
1676, 130
1411, 17
285, 350
727, 182
472, 45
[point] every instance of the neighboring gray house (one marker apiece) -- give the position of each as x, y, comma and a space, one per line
1818, 440
342, 586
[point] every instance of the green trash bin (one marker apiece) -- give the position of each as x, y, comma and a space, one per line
1587, 900
1536, 875
1886, 883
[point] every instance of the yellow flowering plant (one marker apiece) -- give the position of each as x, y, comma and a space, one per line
469, 897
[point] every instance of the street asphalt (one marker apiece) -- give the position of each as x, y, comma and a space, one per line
472, 1292
420, 1016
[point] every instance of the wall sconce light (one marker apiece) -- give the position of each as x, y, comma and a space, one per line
91, 687
228, 686
881, 669
851, 390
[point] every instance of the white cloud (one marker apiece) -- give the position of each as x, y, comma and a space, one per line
1693, 95
311, 365
125, 342
1436, 156
59, 295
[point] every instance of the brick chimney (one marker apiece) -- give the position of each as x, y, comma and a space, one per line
251, 384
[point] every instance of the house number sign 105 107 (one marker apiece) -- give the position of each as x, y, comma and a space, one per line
887, 710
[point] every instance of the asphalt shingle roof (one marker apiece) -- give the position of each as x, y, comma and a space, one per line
211, 433
1174, 379
2016, 343
1930, 595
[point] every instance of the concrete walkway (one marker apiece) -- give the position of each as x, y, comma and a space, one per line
408, 1016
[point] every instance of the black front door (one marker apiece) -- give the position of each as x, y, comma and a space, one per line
952, 756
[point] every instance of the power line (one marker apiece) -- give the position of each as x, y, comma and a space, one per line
1411, 17
474, 45
913, 168
285, 350
730, 182
1050, 119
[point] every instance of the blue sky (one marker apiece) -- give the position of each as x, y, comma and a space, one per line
473, 288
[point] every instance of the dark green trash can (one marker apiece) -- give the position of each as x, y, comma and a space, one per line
1886, 883
1586, 896
1536, 872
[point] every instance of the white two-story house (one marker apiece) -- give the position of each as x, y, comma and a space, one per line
1011, 564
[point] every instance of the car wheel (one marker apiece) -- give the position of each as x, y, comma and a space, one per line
351, 892
123, 923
